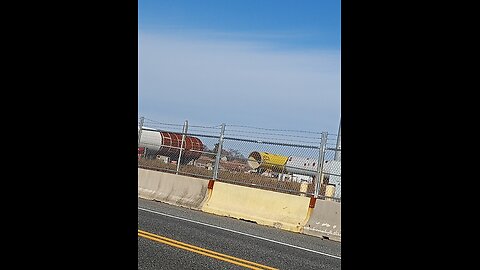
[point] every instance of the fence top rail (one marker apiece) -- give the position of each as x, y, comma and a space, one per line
237, 139
272, 143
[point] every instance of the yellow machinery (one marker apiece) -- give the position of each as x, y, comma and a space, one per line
267, 161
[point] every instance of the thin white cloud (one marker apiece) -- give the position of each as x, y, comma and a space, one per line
243, 82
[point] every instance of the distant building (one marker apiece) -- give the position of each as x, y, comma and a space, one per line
204, 162
164, 159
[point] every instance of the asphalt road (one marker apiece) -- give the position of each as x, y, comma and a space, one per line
172, 237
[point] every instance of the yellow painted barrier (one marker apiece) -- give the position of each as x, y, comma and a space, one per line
284, 211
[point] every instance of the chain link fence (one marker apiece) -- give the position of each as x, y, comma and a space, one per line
287, 161
332, 168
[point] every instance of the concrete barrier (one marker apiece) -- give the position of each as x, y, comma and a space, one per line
284, 211
325, 220
171, 188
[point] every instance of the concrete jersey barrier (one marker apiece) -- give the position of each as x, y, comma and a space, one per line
173, 189
284, 211
325, 220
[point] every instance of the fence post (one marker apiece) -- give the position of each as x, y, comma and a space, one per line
219, 152
184, 131
321, 160
140, 130
339, 145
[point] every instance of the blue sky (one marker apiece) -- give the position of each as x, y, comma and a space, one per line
272, 64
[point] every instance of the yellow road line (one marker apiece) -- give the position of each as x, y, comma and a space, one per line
205, 252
